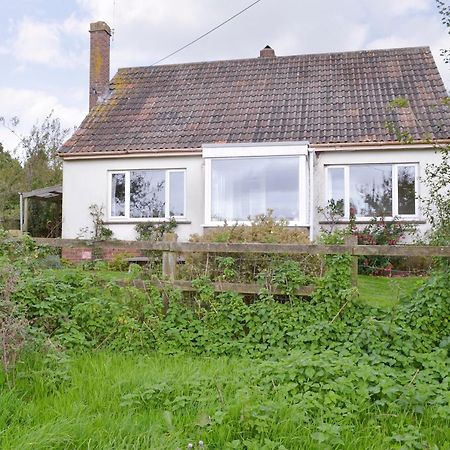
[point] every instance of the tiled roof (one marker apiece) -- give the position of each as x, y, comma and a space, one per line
321, 98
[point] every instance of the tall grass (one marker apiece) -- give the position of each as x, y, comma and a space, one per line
102, 401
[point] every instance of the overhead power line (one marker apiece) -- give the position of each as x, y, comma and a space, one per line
208, 32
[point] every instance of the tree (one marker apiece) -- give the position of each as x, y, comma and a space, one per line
11, 183
444, 11
436, 205
41, 168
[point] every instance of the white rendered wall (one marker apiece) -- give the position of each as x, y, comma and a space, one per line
420, 156
85, 182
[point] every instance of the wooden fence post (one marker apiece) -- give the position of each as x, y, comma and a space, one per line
169, 259
353, 241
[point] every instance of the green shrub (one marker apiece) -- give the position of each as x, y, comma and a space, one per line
247, 267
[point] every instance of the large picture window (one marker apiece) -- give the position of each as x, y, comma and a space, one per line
243, 181
242, 188
147, 194
374, 190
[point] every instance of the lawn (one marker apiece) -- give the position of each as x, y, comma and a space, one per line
330, 374
385, 291
113, 401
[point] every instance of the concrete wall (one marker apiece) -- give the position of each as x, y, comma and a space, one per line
85, 183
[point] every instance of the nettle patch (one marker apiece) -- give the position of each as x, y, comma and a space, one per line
329, 358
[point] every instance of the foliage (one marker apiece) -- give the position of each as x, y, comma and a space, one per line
111, 400
444, 11
381, 232
244, 267
11, 181
41, 167
13, 324
120, 261
154, 231
436, 204
98, 231
333, 212
398, 102
263, 228
325, 365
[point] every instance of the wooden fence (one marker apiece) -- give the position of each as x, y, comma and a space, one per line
171, 249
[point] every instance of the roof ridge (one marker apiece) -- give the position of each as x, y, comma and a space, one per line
277, 58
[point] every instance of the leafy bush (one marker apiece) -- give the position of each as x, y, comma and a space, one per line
381, 232
330, 356
151, 231
248, 267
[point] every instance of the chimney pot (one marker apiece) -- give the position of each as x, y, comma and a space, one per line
267, 52
99, 62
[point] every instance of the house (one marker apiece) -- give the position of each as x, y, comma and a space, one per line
219, 141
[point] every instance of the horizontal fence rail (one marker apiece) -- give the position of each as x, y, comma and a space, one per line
171, 250
291, 249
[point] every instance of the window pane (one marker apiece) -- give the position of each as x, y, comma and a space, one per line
176, 194
245, 187
147, 193
371, 190
406, 190
117, 195
336, 187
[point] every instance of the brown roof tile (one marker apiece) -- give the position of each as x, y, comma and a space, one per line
321, 98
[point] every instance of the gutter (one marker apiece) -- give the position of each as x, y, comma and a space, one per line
386, 145
311, 159
131, 154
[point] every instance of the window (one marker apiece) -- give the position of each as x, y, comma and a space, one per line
246, 180
246, 187
147, 194
374, 190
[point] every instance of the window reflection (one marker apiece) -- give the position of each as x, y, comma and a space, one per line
406, 183
245, 187
176, 197
147, 193
118, 195
371, 190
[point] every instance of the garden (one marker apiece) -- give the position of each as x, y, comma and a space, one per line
91, 359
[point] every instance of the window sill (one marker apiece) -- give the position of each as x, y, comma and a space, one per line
368, 221
137, 221
247, 223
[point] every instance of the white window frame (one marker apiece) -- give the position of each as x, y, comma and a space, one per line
127, 217
394, 169
243, 151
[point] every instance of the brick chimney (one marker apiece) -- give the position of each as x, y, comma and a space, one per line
267, 52
99, 63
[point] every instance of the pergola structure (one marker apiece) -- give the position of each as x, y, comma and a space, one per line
51, 192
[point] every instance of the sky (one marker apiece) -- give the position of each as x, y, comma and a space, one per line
44, 44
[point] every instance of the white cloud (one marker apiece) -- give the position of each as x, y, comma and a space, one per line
179, 12
38, 42
400, 7
30, 107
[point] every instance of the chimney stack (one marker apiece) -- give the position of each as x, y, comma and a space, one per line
99, 62
267, 52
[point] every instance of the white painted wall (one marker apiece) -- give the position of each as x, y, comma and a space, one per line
420, 156
85, 182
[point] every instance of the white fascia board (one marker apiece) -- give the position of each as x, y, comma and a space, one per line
255, 149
